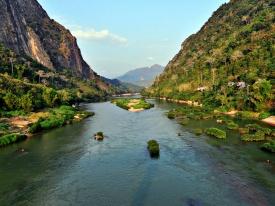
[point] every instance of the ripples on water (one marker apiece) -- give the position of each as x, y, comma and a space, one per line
67, 166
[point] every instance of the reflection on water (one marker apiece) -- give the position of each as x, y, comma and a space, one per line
67, 166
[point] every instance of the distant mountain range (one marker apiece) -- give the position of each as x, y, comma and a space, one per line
142, 76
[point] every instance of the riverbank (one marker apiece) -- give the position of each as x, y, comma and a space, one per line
18, 124
248, 126
249, 115
189, 170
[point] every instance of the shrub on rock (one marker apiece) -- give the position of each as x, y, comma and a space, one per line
215, 132
153, 148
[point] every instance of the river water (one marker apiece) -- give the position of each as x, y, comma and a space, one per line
66, 166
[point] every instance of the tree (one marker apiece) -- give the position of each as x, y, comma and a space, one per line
26, 102
10, 100
49, 96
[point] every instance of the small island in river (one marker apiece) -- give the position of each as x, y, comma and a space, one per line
133, 105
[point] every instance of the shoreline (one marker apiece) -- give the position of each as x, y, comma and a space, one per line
39, 122
270, 120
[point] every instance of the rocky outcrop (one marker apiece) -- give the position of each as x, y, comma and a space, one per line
26, 28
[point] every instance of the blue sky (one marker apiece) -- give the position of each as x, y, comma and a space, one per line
116, 36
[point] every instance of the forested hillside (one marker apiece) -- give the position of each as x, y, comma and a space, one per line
27, 85
229, 63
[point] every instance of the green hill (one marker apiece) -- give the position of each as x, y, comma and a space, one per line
229, 63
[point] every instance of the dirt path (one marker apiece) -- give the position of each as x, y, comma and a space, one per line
270, 120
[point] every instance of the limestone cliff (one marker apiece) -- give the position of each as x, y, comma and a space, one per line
26, 28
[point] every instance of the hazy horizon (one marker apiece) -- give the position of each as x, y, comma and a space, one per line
121, 36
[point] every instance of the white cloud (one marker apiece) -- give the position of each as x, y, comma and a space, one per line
92, 34
150, 58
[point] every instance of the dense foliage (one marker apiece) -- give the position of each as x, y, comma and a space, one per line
26, 85
229, 63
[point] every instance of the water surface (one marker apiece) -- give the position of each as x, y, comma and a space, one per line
66, 166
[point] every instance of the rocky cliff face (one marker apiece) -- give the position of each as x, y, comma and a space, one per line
26, 28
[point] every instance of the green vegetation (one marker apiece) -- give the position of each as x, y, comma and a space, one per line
198, 131
11, 138
254, 132
190, 112
153, 148
269, 146
215, 132
229, 63
58, 117
132, 104
232, 125
257, 136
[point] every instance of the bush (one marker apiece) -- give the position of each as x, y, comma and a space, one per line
153, 148
232, 125
269, 146
11, 138
220, 134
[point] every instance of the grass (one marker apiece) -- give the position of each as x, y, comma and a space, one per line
215, 132
11, 138
153, 148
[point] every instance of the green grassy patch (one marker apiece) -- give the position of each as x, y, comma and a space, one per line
215, 132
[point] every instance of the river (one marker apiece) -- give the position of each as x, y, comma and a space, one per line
66, 166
